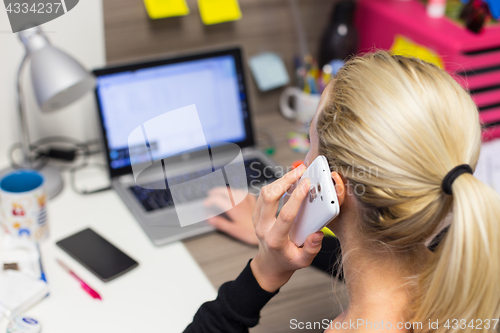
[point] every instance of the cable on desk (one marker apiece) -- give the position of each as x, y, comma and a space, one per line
43, 150
49, 148
72, 179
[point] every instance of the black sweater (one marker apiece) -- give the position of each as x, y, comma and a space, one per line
239, 302
236, 308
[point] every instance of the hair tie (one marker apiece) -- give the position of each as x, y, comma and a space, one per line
454, 174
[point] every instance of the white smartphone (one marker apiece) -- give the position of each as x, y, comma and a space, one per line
320, 205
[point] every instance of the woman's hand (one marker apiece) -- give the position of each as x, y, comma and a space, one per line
278, 256
240, 225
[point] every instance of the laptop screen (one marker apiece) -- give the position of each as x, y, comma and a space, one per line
128, 96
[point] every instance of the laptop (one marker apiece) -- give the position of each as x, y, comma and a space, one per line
130, 95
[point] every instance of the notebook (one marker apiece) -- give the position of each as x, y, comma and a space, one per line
19, 292
24, 284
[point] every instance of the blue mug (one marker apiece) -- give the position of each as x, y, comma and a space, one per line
23, 204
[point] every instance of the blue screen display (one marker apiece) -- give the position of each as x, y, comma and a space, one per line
129, 99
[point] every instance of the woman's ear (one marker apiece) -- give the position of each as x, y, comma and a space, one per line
339, 186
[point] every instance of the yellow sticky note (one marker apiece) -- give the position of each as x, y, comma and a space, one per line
218, 11
406, 47
328, 232
166, 8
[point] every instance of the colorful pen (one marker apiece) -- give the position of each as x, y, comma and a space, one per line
84, 285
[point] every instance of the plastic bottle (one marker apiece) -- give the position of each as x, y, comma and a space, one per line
340, 39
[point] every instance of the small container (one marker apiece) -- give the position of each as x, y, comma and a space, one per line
24, 325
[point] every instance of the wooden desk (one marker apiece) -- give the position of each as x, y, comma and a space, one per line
266, 26
308, 296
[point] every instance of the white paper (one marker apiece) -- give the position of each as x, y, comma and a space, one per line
488, 166
18, 291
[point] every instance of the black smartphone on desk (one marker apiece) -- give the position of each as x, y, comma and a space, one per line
98, 255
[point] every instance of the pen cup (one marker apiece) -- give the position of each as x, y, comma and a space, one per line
23, 202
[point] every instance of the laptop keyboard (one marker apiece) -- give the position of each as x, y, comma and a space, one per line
153, 200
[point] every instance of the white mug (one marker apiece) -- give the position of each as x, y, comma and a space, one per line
23, 200
305, 105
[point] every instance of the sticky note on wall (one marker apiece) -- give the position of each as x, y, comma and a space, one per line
269, 71
219, 11
166, 8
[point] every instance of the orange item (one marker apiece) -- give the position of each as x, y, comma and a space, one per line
296, 164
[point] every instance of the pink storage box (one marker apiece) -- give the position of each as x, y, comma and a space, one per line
474, 59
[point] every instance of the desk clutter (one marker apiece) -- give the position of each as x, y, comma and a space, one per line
22, 279
471, 58
24, 325
472, 55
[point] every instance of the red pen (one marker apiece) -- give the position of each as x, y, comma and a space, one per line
84, 285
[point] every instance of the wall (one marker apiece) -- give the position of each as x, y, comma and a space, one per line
120, 31
266, 25
80, 33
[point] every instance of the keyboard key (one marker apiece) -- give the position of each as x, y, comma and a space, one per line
257, 173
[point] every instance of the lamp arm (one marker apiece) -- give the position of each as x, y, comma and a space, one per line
23, 120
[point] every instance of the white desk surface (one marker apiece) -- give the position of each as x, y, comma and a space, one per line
162, 294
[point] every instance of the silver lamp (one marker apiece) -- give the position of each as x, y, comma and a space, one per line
58, 80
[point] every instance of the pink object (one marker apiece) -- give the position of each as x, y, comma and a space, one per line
473, 59
83, 284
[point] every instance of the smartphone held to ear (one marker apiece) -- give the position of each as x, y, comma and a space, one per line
320, 205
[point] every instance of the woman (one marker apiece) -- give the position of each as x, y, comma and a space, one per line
402, 138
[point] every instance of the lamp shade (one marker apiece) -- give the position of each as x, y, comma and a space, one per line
58, 80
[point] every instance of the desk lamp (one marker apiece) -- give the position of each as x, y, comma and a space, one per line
58, 80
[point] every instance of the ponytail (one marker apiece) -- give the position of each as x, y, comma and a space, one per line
460, 287
401, 125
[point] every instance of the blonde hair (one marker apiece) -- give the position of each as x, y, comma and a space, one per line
399, 125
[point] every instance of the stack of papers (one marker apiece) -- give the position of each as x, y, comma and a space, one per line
19, 292
22, 280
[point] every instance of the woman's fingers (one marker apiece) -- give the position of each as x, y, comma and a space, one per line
272, 193
237, 195
311, 248
256, 211
224, 225
280, 229
220, 201
238, 231
220, 190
